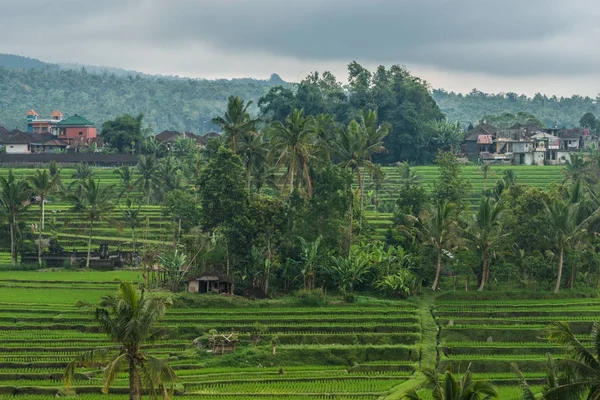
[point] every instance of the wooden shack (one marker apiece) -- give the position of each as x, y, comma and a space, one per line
210, 282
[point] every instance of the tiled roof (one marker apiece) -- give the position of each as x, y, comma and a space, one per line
20, 137
56, 113
75, 120
32, 112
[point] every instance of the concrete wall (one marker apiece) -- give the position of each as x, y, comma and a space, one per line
74, 132
17, 149
68, 158
193, 286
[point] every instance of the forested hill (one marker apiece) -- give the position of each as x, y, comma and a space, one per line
101, 93
180, 104
552, 111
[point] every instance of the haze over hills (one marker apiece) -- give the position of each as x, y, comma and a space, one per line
172, 102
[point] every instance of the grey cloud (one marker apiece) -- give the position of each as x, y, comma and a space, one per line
497, 37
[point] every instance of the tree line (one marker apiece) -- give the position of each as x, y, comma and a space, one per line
283, 208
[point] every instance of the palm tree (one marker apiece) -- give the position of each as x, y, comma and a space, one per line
129, 319
95, 204
567, 224
355, 146
293, 144
575, 168
484, 232
125, 175
132, 218
236, 121
14, 199
146, 167
253, 149
581, 367
437, 227
82, 173
42, 185
167, 176
448, 388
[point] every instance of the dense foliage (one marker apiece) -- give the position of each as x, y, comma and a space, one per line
173, 104
550, 110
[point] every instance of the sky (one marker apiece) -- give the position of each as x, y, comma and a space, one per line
523, 46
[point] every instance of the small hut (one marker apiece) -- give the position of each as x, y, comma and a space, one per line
210, 282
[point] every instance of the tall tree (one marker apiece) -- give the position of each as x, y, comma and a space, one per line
14, 199
224, 200
147, 169
236, 121
292, 144
253, 149
567, 224
124, 133
356, 145
82, 173
43, 185
437, 227
130, 321
125, 174
485, 234
95, 204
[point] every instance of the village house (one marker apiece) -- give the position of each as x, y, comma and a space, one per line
35, 124
168, 138
526, 145
210, 282
19, 142
76, 129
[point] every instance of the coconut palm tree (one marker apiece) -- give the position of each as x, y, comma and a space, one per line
125, 175
437, 227
579, 372
293, 144
447, 387
236, 121
253, 149
95, 204
167, 177
14, 199
42, 185
130, 320
567, 221
82, 173
484, 233
355, 146
133, 218
147, 168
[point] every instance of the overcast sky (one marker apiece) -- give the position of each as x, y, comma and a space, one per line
525, 46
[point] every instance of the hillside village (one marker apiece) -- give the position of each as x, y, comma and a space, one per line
74, 134
520, 144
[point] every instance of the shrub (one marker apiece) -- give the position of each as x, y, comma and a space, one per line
312, 298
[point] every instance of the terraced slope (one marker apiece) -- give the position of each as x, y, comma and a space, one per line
360, 351
72, 231
490, 334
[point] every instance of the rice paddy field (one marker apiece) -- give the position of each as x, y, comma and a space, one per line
368, 350
371, 349
359, 351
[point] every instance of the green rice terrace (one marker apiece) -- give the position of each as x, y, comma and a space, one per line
372, 349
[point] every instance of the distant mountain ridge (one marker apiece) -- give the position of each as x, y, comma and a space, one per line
179, 103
